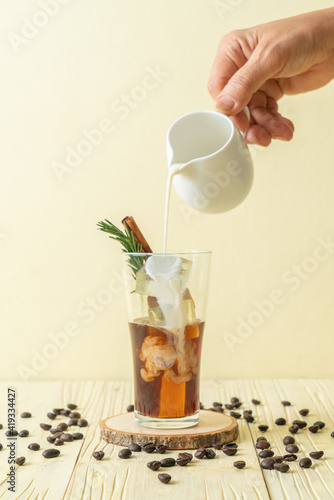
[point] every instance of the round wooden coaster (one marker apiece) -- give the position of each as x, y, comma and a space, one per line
213, 427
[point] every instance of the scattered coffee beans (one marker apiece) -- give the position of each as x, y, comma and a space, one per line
24, 433
134, 447
82, 422
168, 462
149, 447
262, 445
75, 414
200, 453
229, 406
316, 454
266, 454
182, 461
72, 406
45, 427
73, 421
290, 458
210, 453
51, 439
248, 417
305, 463
320, 424
54, 431
280, 421
98, 455
261, 438
256, 402
235, 400
155, 465
267, 463
215, 403
11, 433
286, 403
125, 453
229, 451
77, 435
161, 448
304, 412
65, 413
20, 460
230, 445
289, 440
237, 405
34, 446
1, 426
130, 408
314, 428
61, 427
201, 406
263, 428
164, 478
1, 446
235, 414
294, 429
186, 454
332, 434
51, 453
25, 414
281, 467
67, 437
59, 442
299, 423
51, 415
218, 409
292, 448
57, 411
278, 459
240, 464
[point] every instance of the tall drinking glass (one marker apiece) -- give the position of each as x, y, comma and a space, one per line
166, 298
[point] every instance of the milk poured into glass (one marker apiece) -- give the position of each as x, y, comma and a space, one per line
174, 170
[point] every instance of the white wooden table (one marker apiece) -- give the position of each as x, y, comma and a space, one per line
76, 475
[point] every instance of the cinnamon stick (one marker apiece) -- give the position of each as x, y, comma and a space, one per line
139, 237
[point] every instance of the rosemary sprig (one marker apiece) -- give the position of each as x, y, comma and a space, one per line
127, 240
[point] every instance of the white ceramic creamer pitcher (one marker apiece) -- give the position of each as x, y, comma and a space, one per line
215, 168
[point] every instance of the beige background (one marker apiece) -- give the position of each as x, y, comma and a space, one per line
68, 75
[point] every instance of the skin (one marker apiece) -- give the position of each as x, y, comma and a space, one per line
255, 67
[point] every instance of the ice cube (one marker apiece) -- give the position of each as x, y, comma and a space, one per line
156, 316
162, 268
188, 306
144, 284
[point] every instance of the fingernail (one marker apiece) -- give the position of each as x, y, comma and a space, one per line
226, 102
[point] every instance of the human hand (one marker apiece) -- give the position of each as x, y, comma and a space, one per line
255, 67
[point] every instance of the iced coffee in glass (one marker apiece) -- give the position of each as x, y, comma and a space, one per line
166, 296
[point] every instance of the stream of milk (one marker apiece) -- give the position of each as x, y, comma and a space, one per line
174, 170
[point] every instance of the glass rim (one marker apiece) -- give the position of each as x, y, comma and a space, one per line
168, 254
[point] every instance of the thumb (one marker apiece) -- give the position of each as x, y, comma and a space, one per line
240, 88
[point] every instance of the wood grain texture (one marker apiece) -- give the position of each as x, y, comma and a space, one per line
75, 475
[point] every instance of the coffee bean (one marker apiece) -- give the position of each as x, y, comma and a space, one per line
185, 454
256, 402
262, 445
161, 448
45, 427
288, 440
278, 459
164, 478
51, 453
249, 411
56, 433
304, 412
292, 448
261, 438
217, 446
268, 463
130, 408
75, 414
11, 433
332, 434
77, 435
72, 406
237, 405
305, 463
25, 414
314, 428
210, 453
1, 446
262, 428
266, 454
201, 406
168, 462
230, 445
182, 461
1, 426
290, 458
51, 416
149, 447
215, 403
229, 451
62, 427
65, 413
51, 439
59, 442
57, 411
200, 453
20, 460
299, 423
239, 464
72, 422
134, 447
218, 409
281, 467
82, 422
125, 453
235, 414
249, 418
286, 403
280, 421
229, 406
320, 424
294, 429
316, 454
235, 400
98, 455
24, 433
67, 437
155, 465
34, 446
